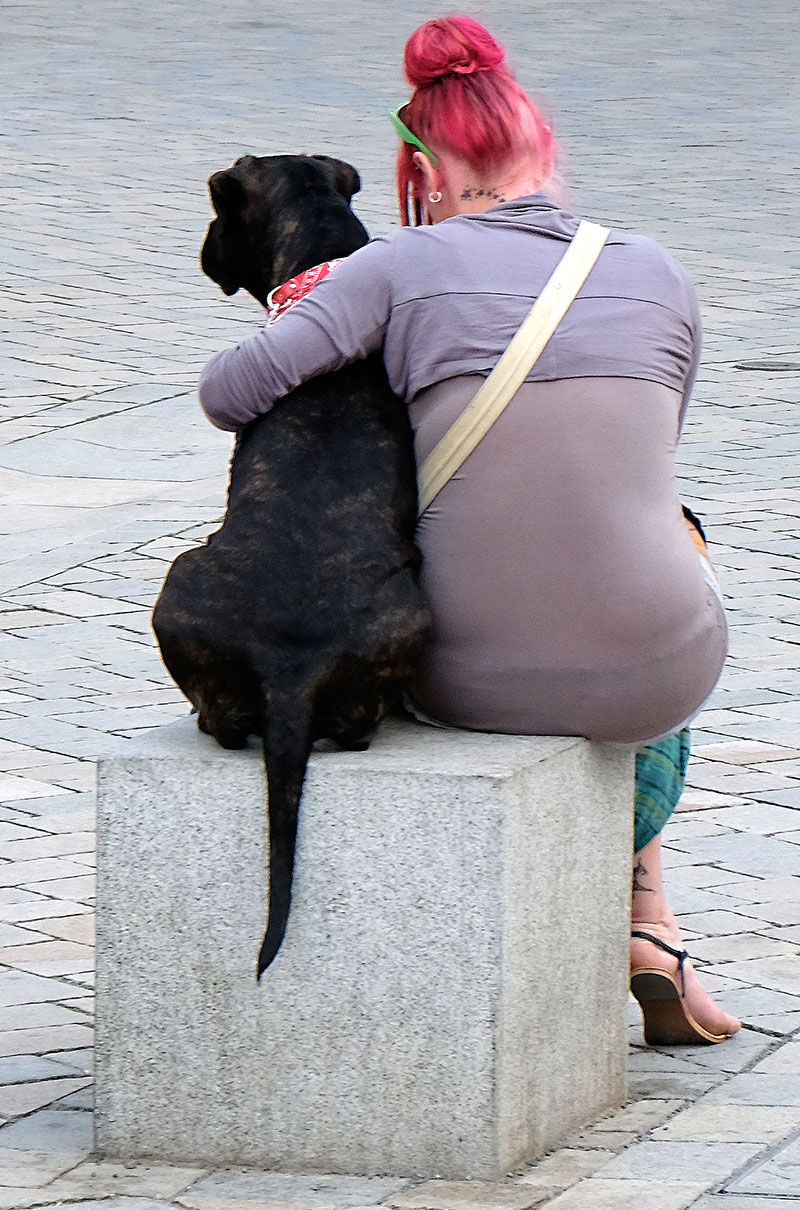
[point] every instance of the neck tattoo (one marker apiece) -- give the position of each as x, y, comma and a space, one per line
470, 194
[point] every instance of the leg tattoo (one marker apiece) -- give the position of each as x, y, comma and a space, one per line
639, 872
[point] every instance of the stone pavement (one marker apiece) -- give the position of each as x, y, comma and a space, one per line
677, 120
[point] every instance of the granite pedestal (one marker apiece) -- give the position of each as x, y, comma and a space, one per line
450, 996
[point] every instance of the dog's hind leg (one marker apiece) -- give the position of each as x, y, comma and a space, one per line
227, 720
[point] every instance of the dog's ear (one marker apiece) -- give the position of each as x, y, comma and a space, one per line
226, 191
345, 177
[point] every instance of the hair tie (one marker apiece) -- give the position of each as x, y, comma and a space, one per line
469, 69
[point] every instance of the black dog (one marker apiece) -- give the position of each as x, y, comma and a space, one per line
301, 617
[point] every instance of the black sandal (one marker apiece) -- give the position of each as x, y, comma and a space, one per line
661, 997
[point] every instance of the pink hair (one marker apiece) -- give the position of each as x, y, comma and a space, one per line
467, 103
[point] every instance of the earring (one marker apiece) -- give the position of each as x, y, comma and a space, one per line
435, 197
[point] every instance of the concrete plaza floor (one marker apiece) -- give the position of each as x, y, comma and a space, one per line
676, 120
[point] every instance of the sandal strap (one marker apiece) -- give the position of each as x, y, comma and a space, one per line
681, 955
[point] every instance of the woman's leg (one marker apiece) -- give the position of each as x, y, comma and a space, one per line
660, 778
650, 913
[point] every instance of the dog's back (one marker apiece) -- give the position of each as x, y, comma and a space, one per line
301, 617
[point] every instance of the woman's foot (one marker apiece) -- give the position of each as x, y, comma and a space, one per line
675, 1012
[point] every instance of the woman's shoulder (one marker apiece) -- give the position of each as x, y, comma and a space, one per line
647, 261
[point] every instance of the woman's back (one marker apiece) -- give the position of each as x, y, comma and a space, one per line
566, 591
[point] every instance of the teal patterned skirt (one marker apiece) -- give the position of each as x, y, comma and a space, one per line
660, 778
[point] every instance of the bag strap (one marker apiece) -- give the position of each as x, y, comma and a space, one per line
515, 364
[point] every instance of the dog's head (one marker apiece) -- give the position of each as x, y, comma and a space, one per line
276, 216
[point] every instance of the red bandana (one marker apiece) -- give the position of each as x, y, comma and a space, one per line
282, 298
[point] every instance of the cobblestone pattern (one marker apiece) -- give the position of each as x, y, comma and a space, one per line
676, 120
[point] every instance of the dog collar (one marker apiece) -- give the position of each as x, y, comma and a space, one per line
284, 297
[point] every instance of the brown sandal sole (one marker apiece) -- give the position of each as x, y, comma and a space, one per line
667, 1021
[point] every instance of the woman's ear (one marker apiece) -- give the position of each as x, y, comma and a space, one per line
427, 175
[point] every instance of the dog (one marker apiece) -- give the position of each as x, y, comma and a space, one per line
301, 618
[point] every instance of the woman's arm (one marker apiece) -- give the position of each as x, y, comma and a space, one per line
344, 318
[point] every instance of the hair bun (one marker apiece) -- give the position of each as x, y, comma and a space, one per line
450, 46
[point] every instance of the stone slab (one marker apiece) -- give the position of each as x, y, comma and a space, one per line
778, 1176
450, 998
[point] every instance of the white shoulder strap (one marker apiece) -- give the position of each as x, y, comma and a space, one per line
515, 364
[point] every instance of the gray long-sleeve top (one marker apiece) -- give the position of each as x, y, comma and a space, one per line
566, 593
446, 300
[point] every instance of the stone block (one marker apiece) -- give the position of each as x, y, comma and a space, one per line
450, 998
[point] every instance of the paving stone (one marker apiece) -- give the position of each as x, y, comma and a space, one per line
756, 1088
740, 947
649, 1060
738, 1053
721, 1201
50, 846
24, 873
792, 837
342, 1191
229, 1203
691, 900
759, 817
699, 1163
771, 914
698, 877
468, 1195
785, 1060
716, 923
29, 1168
84, 1099
641, 1116
12, 831
93, 1179
749, 854
14, 789
775, 888
82, 983
606, 1140
79, 928
46, 1040
24, 1098
31, 1016
56, 956
606, 1194
70, 820
114, 1203
668, 1085
778, 1023
50, 1130
81, 888
76, 1062
564, 1167
778, 1175
18, 987
82, 1006
11, 935
22, 1069
752, 1002
730, 1124
38, 908
780, 973
748, 752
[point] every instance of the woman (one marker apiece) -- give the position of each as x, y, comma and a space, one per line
566, 591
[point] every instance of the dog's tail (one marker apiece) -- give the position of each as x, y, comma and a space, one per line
287, 719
